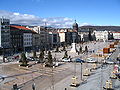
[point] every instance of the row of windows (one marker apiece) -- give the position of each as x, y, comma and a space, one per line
27, 39
16, 41
5, 40
5, 27
17, 45
5, 23
27, 35
16, 36
27, 43
5, 44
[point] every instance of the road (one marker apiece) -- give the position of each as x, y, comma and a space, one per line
69, 72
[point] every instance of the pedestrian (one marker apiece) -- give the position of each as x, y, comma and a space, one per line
33, 86
65, 88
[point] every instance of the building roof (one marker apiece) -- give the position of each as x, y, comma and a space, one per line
101, 28
24, 29
116, 32
20, 27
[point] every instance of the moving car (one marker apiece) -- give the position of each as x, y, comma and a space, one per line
55, 64
79, 60
66, 59
91, 60
109, 62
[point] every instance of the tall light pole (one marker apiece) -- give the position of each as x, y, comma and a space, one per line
101, 85
3, 53
81, 70
15, 48
52, 80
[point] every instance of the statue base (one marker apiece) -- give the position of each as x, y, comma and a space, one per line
73, 49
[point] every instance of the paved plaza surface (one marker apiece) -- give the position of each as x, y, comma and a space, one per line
60, 77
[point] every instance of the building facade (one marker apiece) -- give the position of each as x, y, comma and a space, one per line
21, 38
5, 41
54, 39
101, 35
16, 39
36, 41
116, 35
27, 41
44, 36
65, 35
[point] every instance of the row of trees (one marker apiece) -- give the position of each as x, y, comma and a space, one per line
49, 59
57, 49
24, 61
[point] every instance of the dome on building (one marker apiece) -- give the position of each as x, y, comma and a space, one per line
75, 24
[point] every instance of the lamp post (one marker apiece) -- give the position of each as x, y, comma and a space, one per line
15, 49
101, 85
3, 52
81, 70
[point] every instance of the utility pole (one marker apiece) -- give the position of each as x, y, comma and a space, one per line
101, 84
81, 71
53, 88
75, 68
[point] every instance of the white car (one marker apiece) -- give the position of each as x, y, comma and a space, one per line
66, 59
91, 60
109, 62
56, 64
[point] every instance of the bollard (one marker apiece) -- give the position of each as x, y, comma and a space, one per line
107, 84
94, 66
74, 81
110, 84
113, 76
15, 87
86, 72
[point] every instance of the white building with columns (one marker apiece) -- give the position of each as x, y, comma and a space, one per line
101, 35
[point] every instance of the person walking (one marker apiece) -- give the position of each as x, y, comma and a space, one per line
33, 86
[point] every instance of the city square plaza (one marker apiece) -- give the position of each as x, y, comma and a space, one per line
63, 76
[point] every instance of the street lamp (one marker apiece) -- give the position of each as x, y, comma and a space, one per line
81, 70
3, 52
15, 49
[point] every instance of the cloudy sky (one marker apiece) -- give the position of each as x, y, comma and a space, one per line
61, 13
27, 19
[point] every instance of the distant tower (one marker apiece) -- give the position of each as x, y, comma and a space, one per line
75, 26
74, 37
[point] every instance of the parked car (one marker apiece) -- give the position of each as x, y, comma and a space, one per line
55, 64
66, 59
30, 59
109, 62
79, 60
91, 60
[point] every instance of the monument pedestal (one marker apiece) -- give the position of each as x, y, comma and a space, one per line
73, 49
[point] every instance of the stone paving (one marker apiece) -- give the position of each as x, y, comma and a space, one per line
13, 68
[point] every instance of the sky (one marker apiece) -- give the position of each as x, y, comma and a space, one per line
62, 13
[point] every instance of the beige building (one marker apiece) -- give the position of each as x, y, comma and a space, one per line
116, 35
101, 35
65, 35
43, 36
